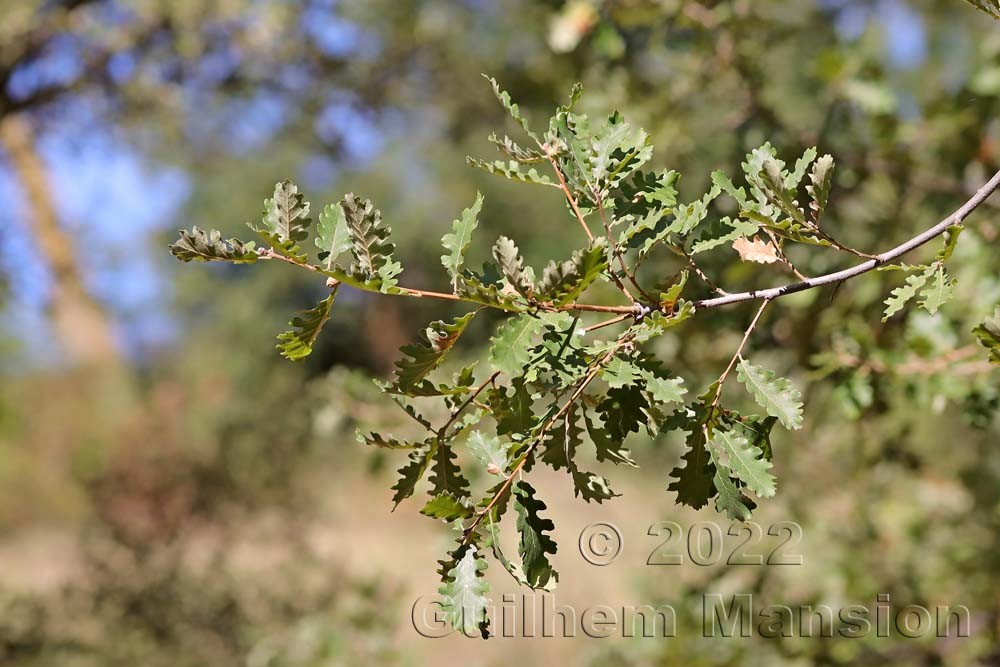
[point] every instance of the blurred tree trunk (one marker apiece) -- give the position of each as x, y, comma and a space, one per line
80, 324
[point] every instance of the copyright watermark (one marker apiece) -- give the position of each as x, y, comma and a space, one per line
741, 615
703, 543
601, 543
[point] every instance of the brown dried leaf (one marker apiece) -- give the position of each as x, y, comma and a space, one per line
755, 250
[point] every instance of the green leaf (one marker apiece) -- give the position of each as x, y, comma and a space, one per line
201, 246
286, 214
746, 462
512, 412
793, 179
725, 184
622, 411
512, 171
508, 258
686, 218
643, 201
510, 348
904, 293
988, 335
693, 481
617, 150
772, 180
332, 236
511, 149
776, 395
411, 472
608, 449
463, 594
937, 291
563, 283
591, 486
512, 108
458, 240
370, 243
382, 442
656, 323
473, 288
439, 338
492, 452
535, 545
736, 506
446, 477
664, 390
724, 233
447, 507
951, 236
492, 540
298, 343
618, 372
820, 179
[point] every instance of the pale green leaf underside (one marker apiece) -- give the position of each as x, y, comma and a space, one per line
776, 395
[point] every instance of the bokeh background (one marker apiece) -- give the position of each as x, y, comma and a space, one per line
172, 492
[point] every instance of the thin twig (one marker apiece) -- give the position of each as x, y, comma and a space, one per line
839, 276
569, 197
607, 323
454, 415
739, 355
782, 257
697, 270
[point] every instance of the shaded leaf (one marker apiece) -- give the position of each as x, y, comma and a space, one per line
730, 500
298, 343
508, 257
446, 477
535, 545
693, 482
422, 358
411, 472
370, 243
608, 449
562, 283
209, 246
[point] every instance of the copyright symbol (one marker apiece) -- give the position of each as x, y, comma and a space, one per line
600, 543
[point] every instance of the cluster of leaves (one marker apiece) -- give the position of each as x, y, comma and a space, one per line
550, 388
